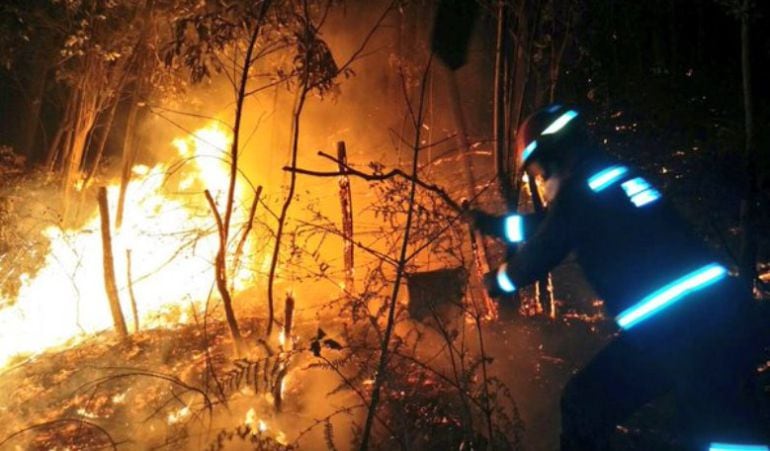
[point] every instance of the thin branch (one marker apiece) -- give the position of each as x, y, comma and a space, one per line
374, 177
185, 113
368, 37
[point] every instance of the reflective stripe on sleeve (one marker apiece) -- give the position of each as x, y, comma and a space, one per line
514, 228
734, 447
503, 281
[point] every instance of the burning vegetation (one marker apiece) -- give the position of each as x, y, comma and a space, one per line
240, 225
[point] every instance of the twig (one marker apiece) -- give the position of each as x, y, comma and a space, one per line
324, 420
134, 372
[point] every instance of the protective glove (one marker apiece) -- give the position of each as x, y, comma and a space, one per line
486, 223
497, 283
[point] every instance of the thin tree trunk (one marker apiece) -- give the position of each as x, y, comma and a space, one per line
139, 64
286, 345
129, 155
109, 268
102, 143
381, 374
346, 204
521, 73
220, 271
502, 164
748, 254
130, 285
225, 226
223, 223
241, 96
82, 129
556, 58
285, 209
245, 236
295, 125
31, 122
54, 148
478, 247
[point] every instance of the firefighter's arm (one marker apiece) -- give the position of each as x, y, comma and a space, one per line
548, 246
512, 228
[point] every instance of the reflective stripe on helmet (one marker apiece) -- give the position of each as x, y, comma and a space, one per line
528, 150
606, 177
560, 122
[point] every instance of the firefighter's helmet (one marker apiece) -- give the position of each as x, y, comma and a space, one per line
551, 137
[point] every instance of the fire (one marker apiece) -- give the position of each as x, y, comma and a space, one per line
256, 425
179, 415
171, 234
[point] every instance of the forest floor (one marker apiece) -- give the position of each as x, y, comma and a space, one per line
142, 391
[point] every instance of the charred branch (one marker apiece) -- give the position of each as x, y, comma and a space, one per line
376, 177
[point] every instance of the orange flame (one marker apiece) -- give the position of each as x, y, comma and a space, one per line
173, 241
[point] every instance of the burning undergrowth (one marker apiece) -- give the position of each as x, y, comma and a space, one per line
162, 254
174, 381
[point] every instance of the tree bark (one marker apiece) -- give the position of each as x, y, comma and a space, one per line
109, 268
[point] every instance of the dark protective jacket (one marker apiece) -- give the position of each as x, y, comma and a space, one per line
629, 243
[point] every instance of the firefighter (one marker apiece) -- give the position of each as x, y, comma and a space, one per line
685, 324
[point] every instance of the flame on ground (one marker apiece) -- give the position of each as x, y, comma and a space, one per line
171, 233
